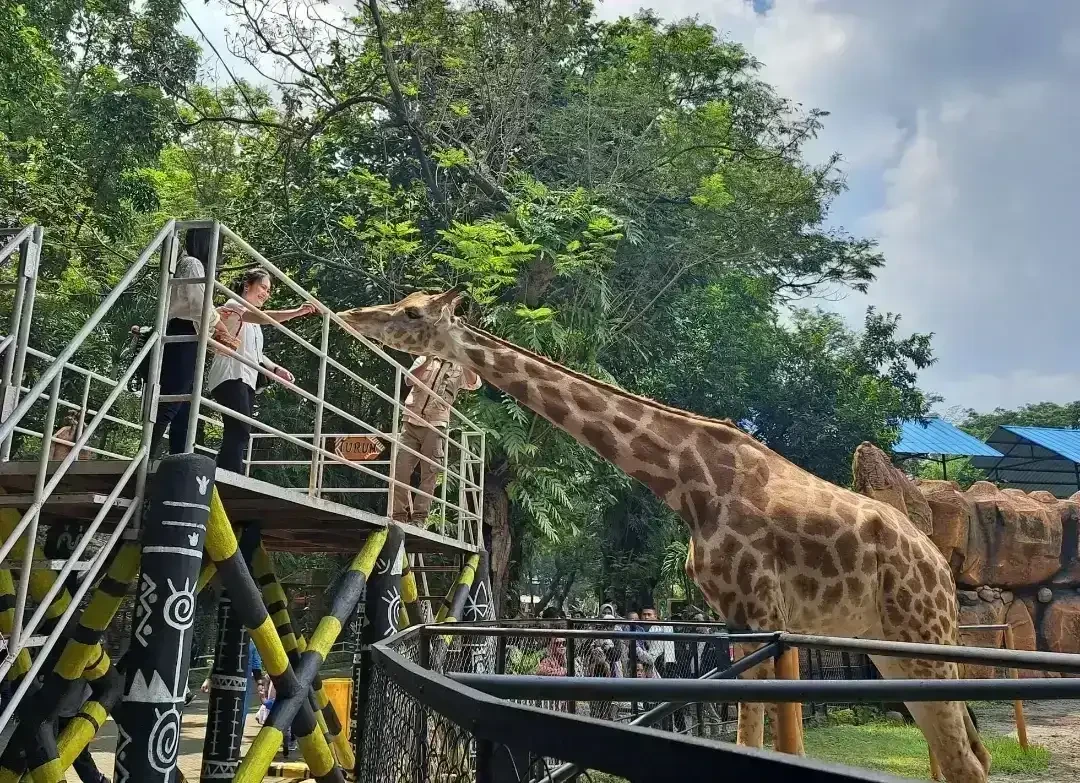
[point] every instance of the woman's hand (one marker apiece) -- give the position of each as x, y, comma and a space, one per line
284, 374
223, 336
307, 308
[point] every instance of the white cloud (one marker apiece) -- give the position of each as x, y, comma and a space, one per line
957, 122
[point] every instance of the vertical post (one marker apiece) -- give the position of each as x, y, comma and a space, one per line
14, 643
500, 655
84, 401
1018, 704
314, 482
699, 708
148, 722
480, 491
420, 771
788, 738
227, 710
395, 436
6, 388
571, 664
28, 266
633, 673
445, 481
152, 388
464, 468
204, 336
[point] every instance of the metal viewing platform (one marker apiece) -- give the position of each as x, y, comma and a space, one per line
319, 470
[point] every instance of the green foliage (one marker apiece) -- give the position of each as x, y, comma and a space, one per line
626, 197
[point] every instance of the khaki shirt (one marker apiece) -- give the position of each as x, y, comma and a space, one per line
446, 380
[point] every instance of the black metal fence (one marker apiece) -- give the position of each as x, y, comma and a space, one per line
504, 705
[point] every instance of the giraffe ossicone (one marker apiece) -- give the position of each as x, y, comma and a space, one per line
772, 547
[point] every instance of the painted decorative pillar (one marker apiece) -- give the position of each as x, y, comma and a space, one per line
229, 683
173, 535
382, 613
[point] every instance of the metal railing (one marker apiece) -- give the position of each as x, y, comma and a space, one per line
115, 423
462, 442
19, 400
437, 714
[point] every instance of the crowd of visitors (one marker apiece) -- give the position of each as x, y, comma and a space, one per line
641, 658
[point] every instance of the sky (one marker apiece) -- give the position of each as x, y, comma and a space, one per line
956, 121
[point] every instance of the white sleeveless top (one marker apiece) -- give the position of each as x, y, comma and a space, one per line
226, 368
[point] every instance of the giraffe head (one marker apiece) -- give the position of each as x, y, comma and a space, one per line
420, 324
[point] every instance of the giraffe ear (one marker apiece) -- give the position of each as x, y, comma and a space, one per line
451, 299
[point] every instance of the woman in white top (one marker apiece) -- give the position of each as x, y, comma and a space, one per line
232, 383
178, 359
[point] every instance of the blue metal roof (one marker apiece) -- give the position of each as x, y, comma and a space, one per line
1060, 441
1035, 458
937, 436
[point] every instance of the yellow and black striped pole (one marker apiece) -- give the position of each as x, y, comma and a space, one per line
277, 604
7, 621
410, 596
454, 603
81, 655
222, 547
41, 579
105, 693
290, 705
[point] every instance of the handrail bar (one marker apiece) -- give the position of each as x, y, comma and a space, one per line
12, 245
8, 425
512, 686
335, 317
359, 466
632, 752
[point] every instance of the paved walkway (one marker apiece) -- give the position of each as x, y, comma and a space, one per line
191, 741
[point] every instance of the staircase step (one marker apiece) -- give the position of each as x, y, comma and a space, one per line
51, 565
63, 499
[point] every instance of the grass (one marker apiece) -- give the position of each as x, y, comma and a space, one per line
901, 750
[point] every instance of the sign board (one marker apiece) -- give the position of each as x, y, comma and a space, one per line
359, 448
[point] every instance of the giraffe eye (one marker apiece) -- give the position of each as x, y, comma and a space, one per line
412, 312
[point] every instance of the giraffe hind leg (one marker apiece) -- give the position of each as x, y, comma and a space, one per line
947, 726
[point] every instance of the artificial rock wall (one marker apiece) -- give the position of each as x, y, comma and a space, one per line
1015, 555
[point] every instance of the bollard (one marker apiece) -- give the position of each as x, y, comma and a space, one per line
788, 737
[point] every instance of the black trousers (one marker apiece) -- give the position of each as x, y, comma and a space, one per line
177, 377
240, 397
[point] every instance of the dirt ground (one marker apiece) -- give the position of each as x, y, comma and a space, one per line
1053, 724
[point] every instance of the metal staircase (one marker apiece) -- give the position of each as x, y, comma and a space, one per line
88, 493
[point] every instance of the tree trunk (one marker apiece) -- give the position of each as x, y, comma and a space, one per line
497, 518
566, 588
549, 593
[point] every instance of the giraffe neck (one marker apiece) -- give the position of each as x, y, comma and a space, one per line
649, 441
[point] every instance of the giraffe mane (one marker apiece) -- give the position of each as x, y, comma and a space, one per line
608, 387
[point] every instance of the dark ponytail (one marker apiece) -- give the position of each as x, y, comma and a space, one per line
197, 243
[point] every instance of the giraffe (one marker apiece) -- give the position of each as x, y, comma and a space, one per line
772, 546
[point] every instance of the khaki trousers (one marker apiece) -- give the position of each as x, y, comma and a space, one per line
431, 443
